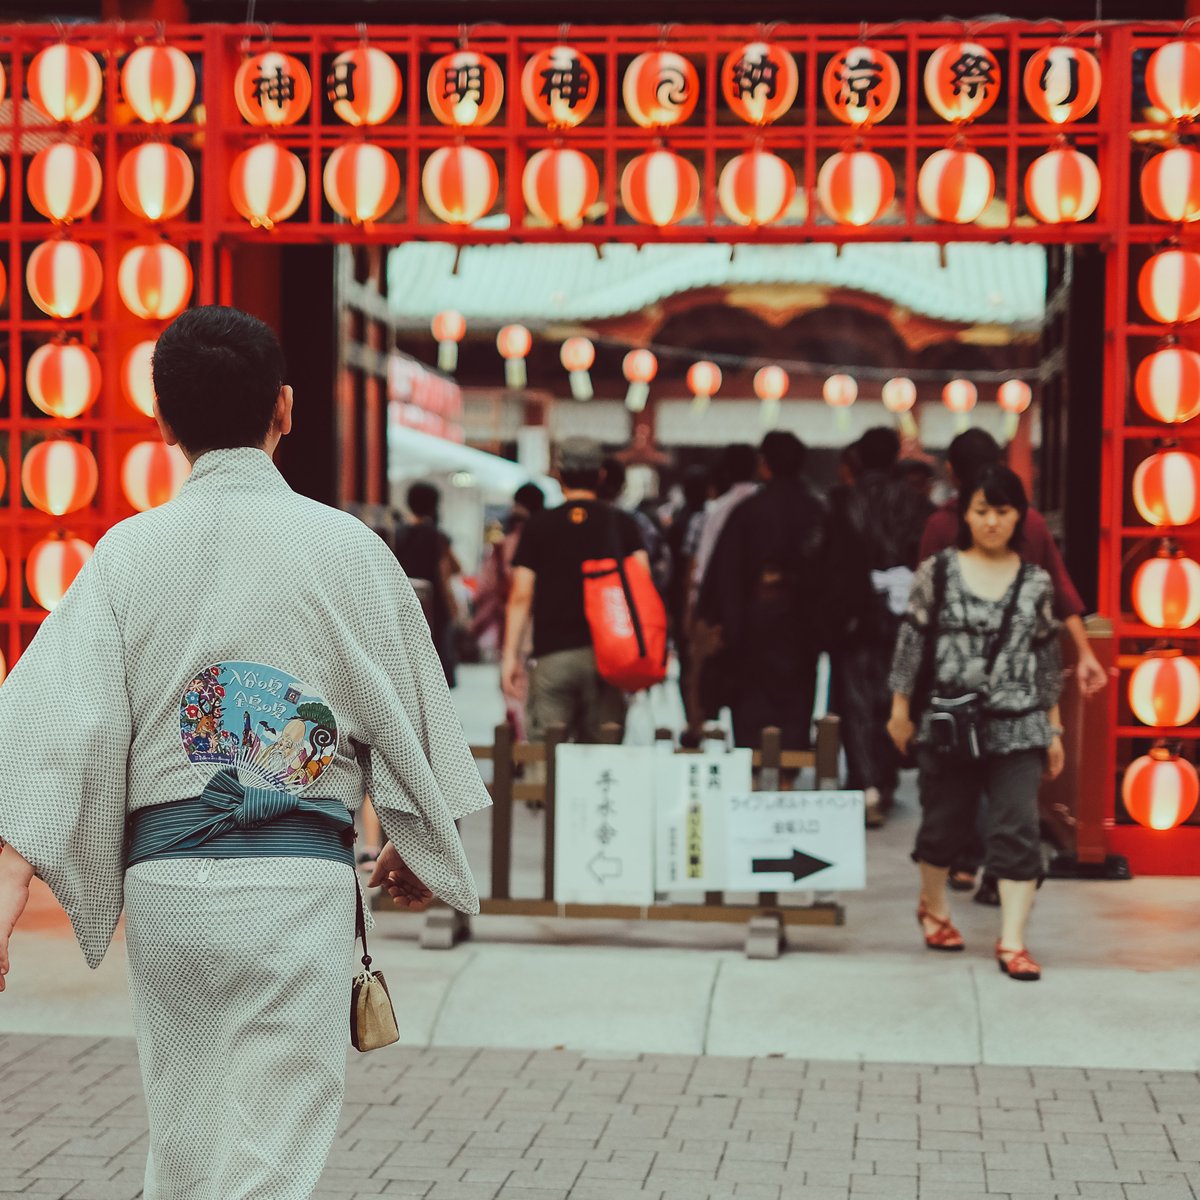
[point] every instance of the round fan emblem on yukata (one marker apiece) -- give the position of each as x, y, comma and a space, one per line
259, 721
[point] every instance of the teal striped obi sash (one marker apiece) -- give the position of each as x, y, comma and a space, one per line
229, 821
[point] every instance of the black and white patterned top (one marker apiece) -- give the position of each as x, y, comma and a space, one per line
1026, 680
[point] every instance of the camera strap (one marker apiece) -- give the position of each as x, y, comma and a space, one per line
1001, 634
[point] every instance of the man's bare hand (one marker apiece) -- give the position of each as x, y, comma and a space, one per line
15, 874
397, 879
1091, 675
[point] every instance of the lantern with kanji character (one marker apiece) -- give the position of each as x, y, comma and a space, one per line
760, 82
52, 566
756, 188
659, 188
64, 182
152, 473
448, 328
856, 187
137, 378
1169, 287
1170, 185
266, 184
1167, 385
465, 89
1164, 689
459, 184
962, 81
899, 395
704, 381
560, 86
577, 355
955, 185
861, 85
514, 343
364, 86
560, 185
65, 82
1062, 186
63, 278
59, 477
155, 181
63, 379
361, 182
1062, 83
1173, 80
272, 88
155, 281
639, 367
1166, 488
1160, 789
1014, 396
660, 89
158, 83
770, 386
1166, 590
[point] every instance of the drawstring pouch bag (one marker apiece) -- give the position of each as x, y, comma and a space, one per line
372, 1017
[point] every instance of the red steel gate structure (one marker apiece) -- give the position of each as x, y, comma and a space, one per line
1118, 136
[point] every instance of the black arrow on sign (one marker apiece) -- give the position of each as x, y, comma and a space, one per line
800, 865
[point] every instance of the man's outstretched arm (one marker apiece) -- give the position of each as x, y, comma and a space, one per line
15, 876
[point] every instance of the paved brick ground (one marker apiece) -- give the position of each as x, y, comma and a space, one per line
492, 1125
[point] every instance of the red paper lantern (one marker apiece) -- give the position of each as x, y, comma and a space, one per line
660, 89
64, 182
856, 187
448, 328
459, 184
1166, 488
659, 188
1166, 590
364, 86
63, 278
63, 379
3, 664
577, 355
1169, 287
899, 395
639, 368
1062, 186
514, 343
1167, 385
272, 89
266, 184
1170, 185
960, 396
65, 82
465, 89
1160, 789
159, 83
1062, 83
155, 181
52, 566
760, 82
756, 188
137, 378
704, 381
771, 383
1173, 80
361, 182
559, 186
955, 186
155, 281
560, 86
59, 477
962, 81
839, 391
1164, 689
861, 85
152, 473
1014, 396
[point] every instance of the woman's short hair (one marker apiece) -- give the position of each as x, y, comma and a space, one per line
1001, 488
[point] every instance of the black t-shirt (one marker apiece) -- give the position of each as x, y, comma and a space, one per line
554, 545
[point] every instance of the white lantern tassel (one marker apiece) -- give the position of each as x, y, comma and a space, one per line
514, 374
581, 385
448, 356
636, 396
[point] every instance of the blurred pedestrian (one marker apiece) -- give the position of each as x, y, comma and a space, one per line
612, 485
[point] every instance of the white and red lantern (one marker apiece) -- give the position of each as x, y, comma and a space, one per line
448, 327
560, 86
364, 86
756, 188
63, 278
760, 82
899, 395
577, 355
137, 377
962, 81
52, 566
960, 397
660, 89
158, 83
560, 185
771, 384
64, 182
152, 473
1166, 590
659, 188
1062, 83
272, 88
1167, 385
1062, 186
1160, 789
861, 85
361, 182
1169, 287
704, 381
1170, 185
1014, 397
459, 184
514, 343
65, 82
155, 281
856, 187
155, 181
63, 379
839, 391
1164, 689
639, 367
1166, 488
955, 185
59, 477
465, 89
266, 184
1173, 80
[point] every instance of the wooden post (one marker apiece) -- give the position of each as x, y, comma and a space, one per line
828, 743
555, 736
1091, 803
768, 781
502, 812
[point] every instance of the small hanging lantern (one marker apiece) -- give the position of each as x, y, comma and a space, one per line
1173, 80
1170, 185
770, 386
559, 186
760, 82
65, 82
960, 397
1062, 83
64, 182
1166, 488
1062, 186
152, 473
856, 187
1014, 396
63, 379
1160, 789
52, 566
63, 278
1167, 385
962, 81
59, 477
465, 89
1166, 590
704, 381
364, 86
861, 85
266, 184
514, 342
639, 368
1169, 287
158, 83
955, 185
659, 188
137, 378
155, 281
272, 88
839, 391
448, 328
560, 86
361, 182
660, 89
1164, 689
577, 355
899, 396
155, 181
459, 184
756, 188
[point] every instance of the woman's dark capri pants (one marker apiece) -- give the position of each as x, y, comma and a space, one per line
950, 790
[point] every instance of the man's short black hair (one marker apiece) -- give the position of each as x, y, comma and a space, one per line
1001, 487
217, 374
878, 448
530, 497
738, 463
783, 453
971, 452
423, 500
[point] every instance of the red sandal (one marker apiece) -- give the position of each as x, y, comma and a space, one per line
945, 937
1020, 966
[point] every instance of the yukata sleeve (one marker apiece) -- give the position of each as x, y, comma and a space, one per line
1046, 649
65, 730
910, 641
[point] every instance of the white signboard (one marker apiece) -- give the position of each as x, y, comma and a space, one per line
796, 841
604, 825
